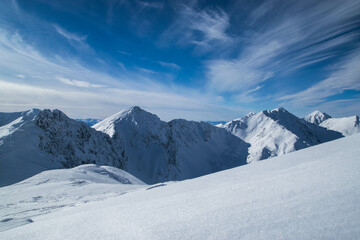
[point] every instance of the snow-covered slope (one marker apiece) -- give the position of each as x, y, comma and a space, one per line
276, 132
35, 141
308, 194
159, 151
60, 189
346, 126
316, 117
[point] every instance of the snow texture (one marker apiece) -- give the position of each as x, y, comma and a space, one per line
60, 189
309, 194
277, 132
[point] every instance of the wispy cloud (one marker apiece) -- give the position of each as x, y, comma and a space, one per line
79, 91
205, 29
289, 42
156, 5
22, 76
78, 83
145, 70
124, 53
345, 77
68, 35
169, 65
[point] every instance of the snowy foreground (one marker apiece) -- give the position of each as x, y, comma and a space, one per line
309, 194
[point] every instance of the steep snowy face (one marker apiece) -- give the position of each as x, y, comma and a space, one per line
316, 117
347, 126
10, 122
277, 132
35, 141
158, 151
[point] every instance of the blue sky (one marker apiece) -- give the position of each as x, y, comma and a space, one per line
198, 60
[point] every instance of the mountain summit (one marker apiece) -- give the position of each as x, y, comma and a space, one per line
34, 141
316, 117
160, 151
277, 132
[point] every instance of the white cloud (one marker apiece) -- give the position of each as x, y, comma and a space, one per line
243, 73
169, 65
300, 34
145, 70
345, 77
205, 29
68, 35
78, 83
22, 76
124, 53
82, 92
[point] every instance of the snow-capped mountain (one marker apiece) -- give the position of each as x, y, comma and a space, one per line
159, 151
34, 141
316, 117
346, 126
277, 132
134, 140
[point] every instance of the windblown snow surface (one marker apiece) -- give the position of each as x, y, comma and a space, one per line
308, 194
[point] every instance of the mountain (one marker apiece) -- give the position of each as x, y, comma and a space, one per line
276, 132
134, 140
316, 117
346, 126
158, 151
88, 121
308, 194
34, 141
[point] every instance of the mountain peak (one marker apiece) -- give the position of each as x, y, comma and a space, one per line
316, 117
126, 118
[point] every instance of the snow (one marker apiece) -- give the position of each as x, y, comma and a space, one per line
35, 141
308, 194
277, 132
134, 140
158, 151
347, 125
316, 117
60, 189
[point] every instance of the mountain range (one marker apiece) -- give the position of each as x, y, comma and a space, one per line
134, 140
153, 150
277, 132
347, 125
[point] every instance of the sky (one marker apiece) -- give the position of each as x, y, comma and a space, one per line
197, 60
